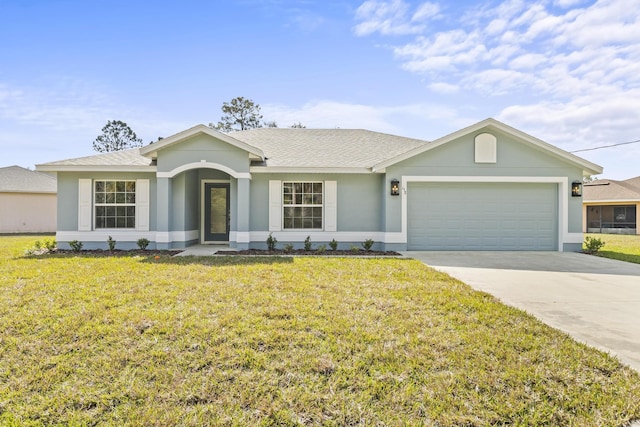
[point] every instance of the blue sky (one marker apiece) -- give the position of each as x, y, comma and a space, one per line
565, 71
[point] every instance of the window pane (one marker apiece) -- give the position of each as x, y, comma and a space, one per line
110, 211
307, 199
288, 199
317, 222
317, 187
110, 198
120, 222
110, 186
317, 199
121, 210
131, 198
120, 198
99, 186
297, 187
131, 186
308, 187
307, 223
287, 188
298, 199
100, 197
131, 222
317, 212
131, 211
111, 222
297, 223
288, 223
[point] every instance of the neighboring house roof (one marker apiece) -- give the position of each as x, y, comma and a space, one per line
609, 190
15, 179
126, 160
326, 148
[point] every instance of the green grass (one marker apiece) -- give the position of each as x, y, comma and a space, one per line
283, 341
621, 247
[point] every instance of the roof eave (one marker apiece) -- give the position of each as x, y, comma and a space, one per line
317, 170
151, 150
94, 168
587, 167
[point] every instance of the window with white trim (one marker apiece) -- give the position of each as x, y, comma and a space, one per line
302, 205
115, 204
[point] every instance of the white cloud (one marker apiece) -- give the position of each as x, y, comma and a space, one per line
393, 17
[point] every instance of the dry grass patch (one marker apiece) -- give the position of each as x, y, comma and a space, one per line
272, 341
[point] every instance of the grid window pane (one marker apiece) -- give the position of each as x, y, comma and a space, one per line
302, 205
115, 204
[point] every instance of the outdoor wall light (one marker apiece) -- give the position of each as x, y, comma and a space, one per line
576, 189
395, 187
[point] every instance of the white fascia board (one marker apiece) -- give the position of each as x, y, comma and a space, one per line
287, 169
588, 168
612, 201
151, 150
94, 168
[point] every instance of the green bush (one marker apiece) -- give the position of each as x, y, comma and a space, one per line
307, 243
111, 243
592, 245
288, 247
50, 245
367, 244
143, 243
354, 248
333, 244
271, 242
76, 245
321, 248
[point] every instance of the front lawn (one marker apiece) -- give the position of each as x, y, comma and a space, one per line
617, 246
283, 341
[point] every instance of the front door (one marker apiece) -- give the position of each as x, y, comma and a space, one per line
216, 212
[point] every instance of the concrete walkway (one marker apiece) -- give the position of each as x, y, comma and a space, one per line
203, 250
595, 300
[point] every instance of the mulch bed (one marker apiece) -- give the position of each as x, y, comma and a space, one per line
296, 252
116, 252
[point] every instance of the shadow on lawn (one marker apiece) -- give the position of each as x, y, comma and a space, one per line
215, 260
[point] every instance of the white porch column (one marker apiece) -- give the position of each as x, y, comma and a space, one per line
163, 212
243, 213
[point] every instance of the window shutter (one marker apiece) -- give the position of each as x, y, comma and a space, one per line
84, 205
330, 206
275, 205
142, 204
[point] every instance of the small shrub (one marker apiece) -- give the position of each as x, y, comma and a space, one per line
288, 247
307, 243
50, 245
37, 245
592, 245
76, 246
321, 249
367, 244
271, 242
333, 244
143, 243
354, 248
111, 243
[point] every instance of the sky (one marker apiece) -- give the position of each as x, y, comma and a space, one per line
564, 71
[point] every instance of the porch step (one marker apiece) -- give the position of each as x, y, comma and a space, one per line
204, 250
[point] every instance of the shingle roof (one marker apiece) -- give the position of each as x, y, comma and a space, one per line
130, 157
14, 179
326, 148
609, 189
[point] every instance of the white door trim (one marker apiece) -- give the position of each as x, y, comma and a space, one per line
202, 186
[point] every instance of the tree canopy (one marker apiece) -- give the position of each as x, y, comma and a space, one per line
116, 135
242, 114
239, 114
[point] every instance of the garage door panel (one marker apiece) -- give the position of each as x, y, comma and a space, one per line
482, 216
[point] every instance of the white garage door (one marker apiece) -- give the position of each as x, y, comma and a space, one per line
482, 216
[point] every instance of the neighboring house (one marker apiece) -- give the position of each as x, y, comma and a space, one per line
486, 187
27, 201
611, 206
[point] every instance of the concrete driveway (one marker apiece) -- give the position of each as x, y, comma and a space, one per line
595, 300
